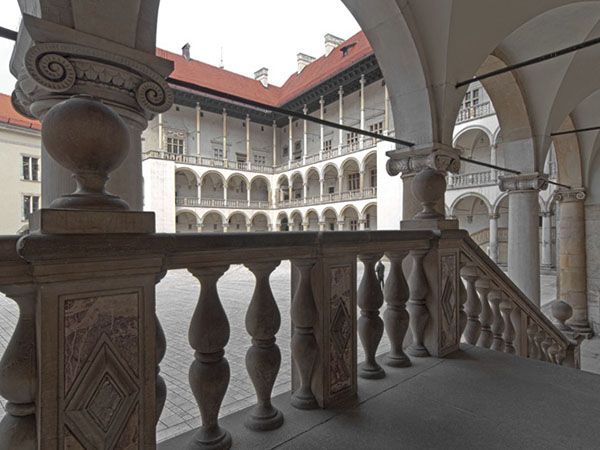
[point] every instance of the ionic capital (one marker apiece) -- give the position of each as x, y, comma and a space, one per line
524, 182
571, 195
439, 157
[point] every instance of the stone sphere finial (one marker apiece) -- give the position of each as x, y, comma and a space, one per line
428, 187
91, 140
562, 312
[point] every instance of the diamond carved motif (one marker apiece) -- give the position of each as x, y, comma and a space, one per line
102, 400
341, 328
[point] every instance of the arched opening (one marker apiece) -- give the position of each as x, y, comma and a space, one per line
259, 190
212, 186
330, 182
186, 222
330, 219
370, 217
313, 186
237, 188
370, 173
297, 187
260, 222
475, 144
238, 222
296, 221
473, 214
501, 214
186, 185
351, 177
212, 223
312, 220
283, 189
350, 218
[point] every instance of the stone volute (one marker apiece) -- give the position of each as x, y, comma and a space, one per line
89, 139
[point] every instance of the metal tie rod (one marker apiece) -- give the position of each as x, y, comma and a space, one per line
580, 130
532, 61
285, 112
8, 34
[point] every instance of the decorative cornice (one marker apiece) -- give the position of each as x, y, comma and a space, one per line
524, 182
572, 195
440, 158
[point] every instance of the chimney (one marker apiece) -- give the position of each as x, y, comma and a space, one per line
185, 51
331, 42
262, 75
303, 61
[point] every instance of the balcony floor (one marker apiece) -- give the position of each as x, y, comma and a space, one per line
475, 399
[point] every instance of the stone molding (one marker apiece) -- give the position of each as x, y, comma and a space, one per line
524, 182
439, 158
572, 195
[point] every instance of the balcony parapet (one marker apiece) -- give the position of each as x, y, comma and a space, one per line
467, 180
474, 112
67, 286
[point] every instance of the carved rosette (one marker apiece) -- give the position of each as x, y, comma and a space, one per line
572, 195
524, 182
60, 70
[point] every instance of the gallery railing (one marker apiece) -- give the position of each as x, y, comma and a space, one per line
84, 358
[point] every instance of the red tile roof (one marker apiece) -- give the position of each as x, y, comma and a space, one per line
10, 116
232, 83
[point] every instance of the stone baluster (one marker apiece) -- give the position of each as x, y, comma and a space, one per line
370, 325
546, 344
539, 339
486, 317
506, 307
495, 297
209, 373
472, 306
161, 387
304, 343
417, 304
263, 359
553, 351
463, 297
532, 331
560, 355
18, 377
396, 317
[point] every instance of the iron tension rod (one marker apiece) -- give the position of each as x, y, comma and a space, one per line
558, 184
285, 112
491, 166
580, 130
531, 61
8, 34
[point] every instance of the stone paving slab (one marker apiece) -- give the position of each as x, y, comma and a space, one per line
177, 295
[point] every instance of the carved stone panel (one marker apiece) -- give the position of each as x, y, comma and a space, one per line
340, 329
448, 301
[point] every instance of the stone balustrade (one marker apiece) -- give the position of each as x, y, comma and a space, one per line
88, 326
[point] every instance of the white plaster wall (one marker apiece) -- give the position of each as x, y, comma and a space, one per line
389, 192
159, 192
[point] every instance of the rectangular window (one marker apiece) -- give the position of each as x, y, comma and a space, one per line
30, 168
331, 189
298, 150
240, 157
175, 145
353, 225
31, 203
352, 141
327, 145
285, 150
373, 177
376, 128
259, 158
218, 153
354, 181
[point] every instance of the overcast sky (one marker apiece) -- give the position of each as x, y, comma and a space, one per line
253, 34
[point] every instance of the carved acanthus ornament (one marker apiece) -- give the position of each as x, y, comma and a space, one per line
524, 182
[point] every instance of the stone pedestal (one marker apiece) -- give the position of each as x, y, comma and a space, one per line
547, 259
572, 270
493, 251
523, 231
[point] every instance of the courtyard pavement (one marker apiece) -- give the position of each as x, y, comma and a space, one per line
177, 295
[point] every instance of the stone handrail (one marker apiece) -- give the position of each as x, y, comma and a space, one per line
501, 317
89, 299
474, 112
459, 181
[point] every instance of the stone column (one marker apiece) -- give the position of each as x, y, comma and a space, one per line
305, 186
225, 192
341, 112
523, 231
290, 140
322, 127
322, 226
161, 133
494, 161
547, 260
225, 155
274, 143
248, 139
340, 225
362, 224
341, 183
572, 255
198, 117
362, 181
493, 251
305, 135
362, 111
321, 188
386, 121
